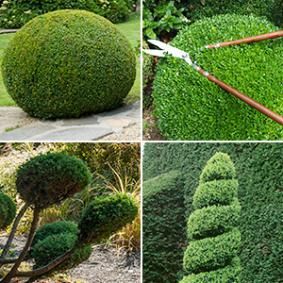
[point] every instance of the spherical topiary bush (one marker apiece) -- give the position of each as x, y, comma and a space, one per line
214, 238
68, 63
106, 215
55, 228
50, 178
7, 210
188, 106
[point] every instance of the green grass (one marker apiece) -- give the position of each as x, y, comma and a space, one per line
131, 29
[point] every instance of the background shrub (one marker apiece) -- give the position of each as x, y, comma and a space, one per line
260, 195
52, 87
214, 240
16, 13
50, 178
163, 228
106, 215
7, 210
188, 106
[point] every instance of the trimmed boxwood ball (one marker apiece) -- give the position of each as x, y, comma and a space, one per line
7, 210
214, 239
68, 63
55, 228
188, 106
50, 178
52, 247
106, 215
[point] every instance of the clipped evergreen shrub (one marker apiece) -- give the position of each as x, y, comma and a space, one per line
52, 247
106, 215
188, 106
55, 228
68, 63
260, 195
271, 9
50, 178
116, 11
163, 228
214, 239
16, 13
7, 210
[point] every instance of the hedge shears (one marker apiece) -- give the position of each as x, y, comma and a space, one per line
166, 49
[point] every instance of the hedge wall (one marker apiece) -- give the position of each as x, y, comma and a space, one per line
163, 227
259, 168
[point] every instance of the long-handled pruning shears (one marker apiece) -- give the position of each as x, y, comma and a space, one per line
175, 52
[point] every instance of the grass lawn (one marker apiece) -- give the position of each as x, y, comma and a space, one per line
132, 31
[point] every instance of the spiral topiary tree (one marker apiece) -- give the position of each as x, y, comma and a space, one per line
49, 179
68, 63
214, 238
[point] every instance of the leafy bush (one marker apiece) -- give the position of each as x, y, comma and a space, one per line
7, 210
106, 215
55, 228
64, 62
16, 13
214, 238
189, 106
52, 247
163, 227
50, 178
260, 194
116, 11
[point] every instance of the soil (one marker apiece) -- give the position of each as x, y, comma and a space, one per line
105, 265
150, 132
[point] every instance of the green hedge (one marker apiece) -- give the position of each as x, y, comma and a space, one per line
190, 107
163, 227
68, 63
50, 178
260, 195
16, 13
106, 215
7, 210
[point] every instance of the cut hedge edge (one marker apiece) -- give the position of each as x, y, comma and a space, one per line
68, 63
188, 106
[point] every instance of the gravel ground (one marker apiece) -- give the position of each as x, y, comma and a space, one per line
105, 265
131, 133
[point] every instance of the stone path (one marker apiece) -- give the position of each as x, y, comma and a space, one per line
122, 124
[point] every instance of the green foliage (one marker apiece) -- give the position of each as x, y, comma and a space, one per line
189, 106
50, 178
16, 13
58, 56
55, 228
260, 194
52, 247
116, 11
7, 210
106, 215
163, 227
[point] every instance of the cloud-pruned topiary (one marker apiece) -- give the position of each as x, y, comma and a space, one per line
214, 239
7, 210
50, 178
188, 106
55, 228
68, 63
105, 215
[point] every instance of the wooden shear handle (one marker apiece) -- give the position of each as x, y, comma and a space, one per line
256, 105
251, 39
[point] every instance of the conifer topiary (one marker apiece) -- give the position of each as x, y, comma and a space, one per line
214, 239
68, 63
7, 210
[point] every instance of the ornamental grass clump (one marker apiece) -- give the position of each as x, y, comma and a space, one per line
214, 239
50, 179
68, 63
189, 106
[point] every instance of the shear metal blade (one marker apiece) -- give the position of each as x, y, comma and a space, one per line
155, 52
